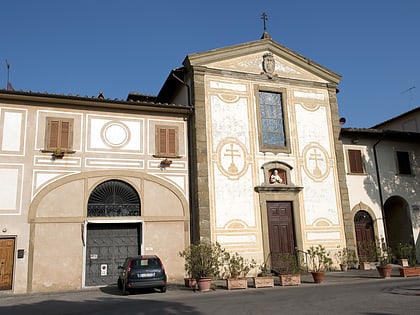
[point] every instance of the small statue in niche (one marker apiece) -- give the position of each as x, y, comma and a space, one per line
275, 177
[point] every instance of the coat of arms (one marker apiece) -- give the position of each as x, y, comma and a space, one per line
268, 64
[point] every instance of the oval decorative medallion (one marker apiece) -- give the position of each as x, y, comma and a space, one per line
231, 158
115, 134
316, 161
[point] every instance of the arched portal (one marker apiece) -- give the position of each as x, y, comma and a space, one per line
398, 223
109, 243
365, 236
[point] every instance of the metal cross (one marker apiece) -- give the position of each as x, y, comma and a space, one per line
264, 17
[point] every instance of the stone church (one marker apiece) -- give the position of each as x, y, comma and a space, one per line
267, 162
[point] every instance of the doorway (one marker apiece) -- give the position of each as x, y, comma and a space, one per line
7, 249
365, 236
281, 231
399, 229
107, 246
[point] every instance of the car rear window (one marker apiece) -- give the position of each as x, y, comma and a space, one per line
145, 263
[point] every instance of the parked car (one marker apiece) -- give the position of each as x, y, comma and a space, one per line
140, 272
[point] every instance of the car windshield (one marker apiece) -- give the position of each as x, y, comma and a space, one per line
145, 263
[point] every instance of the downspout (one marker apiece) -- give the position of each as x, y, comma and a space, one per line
191, 160
378, 177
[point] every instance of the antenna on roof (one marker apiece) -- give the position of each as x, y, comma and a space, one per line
410, 90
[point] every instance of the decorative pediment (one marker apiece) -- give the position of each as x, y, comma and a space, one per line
263, 57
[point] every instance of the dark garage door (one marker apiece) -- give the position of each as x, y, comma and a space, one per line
107, 245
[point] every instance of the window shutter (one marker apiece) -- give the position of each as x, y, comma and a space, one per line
65, 135
59, 134
355, 161
52, 137
171, 142
167, 141
162, 141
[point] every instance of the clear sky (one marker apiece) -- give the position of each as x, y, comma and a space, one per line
81, 47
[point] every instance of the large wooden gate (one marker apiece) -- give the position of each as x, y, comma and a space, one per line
107, 246
7, 249
281, 231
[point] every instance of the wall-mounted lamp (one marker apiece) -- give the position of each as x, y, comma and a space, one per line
355, 141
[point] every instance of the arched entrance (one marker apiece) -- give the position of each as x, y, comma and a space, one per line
398, 223
365, 236
109, 243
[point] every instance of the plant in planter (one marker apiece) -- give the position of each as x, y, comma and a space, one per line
264, 277
290, 273
367, 253
409, 252
203, 261
319, 262
235, 270
386, 256
346, 258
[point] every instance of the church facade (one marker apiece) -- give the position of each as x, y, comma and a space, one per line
269, 172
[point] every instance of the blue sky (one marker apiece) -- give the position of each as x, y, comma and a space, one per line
81, 47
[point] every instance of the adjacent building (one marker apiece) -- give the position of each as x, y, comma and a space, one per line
382, 170
84, 183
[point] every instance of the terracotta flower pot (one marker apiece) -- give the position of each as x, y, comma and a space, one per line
318, 276
204, 284
384, 271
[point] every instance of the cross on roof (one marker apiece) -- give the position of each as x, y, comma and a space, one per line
264, 17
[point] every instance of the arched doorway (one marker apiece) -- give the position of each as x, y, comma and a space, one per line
398, 223
109, 243
365, 236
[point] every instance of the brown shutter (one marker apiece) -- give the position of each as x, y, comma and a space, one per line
171, 142
52, 136
355, 161
65, 135
162, 141
167, 141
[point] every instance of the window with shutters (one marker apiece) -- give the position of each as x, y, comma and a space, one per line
166, 141
355, 161
403, 163
59, 134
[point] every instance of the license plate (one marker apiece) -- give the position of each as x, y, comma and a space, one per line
145, 275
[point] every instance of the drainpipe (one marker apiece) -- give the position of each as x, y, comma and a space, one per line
191, 160
380, 187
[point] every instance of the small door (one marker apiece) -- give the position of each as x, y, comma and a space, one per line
281, 231
7, 249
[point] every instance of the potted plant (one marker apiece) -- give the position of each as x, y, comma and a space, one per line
58, 153
264, 277
290, 272
319, 262
203, 261
235, 270
367, 253
409, 252
346, 258
385, 256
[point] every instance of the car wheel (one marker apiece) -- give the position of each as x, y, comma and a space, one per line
162, 289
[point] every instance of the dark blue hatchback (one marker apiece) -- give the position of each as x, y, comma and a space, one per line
141, 272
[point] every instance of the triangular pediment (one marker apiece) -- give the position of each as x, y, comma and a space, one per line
248, 58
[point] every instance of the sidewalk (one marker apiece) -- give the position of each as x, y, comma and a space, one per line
333, 277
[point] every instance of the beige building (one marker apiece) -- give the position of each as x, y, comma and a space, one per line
269, 172
84, 182
382, 170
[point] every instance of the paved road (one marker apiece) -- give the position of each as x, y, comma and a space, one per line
355, 292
